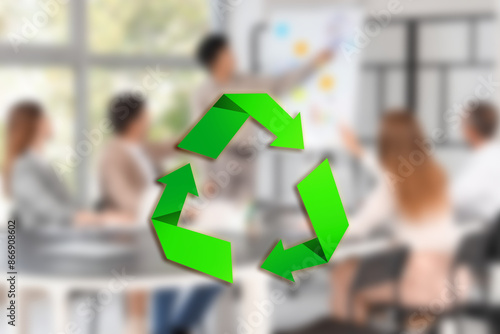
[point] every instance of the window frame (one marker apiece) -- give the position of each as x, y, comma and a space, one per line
77, 56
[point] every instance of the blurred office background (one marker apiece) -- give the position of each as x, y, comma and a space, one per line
428, 59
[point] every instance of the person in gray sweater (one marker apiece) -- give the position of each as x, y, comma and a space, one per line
40, 197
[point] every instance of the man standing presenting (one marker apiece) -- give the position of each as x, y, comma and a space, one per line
216, 56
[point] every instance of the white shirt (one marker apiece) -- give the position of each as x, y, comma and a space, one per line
476, 193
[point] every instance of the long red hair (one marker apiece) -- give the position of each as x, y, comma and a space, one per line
22, 123
420, 185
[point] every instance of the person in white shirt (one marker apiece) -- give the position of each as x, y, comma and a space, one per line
476, 192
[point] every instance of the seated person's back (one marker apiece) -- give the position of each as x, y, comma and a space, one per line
129, 164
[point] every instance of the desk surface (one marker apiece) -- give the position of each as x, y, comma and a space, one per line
92, 255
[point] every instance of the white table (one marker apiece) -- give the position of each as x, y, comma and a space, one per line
254, 285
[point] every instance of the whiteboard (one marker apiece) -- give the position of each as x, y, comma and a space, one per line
327, 98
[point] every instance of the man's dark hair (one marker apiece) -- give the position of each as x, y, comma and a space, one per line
209, 49
484, 119
124, 109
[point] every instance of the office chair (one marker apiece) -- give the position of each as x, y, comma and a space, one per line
329, 326
476, 252
493, 248
379, 268
373, 270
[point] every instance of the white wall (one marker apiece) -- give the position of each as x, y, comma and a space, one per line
435, 7
245, 14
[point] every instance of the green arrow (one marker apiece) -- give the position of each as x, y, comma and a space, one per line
324, 207
218, 126
195, 250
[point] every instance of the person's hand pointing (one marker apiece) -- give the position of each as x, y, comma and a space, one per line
323, 57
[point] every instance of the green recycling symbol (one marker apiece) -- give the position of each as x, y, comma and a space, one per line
209, 137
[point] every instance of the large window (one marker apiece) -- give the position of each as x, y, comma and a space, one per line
53, 87
430, 65
74, 55
33, 21
146, 26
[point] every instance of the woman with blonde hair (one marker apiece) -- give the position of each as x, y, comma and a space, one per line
411, 193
